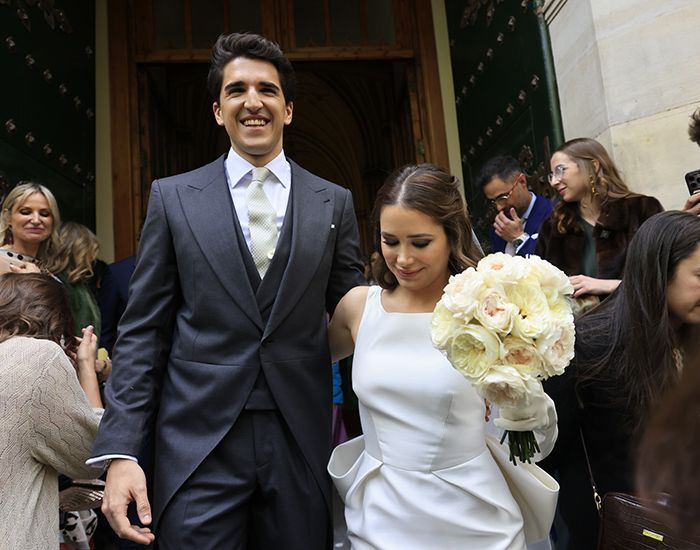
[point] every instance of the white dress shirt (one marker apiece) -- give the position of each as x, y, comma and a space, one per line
277, 187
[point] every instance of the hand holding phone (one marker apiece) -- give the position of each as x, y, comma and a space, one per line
692, 205
692, 180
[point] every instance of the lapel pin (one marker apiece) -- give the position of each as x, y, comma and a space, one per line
332, 226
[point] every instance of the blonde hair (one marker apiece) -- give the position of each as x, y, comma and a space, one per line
17, 198
78, 249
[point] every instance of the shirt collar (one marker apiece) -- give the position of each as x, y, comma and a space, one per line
237, 168
526, 214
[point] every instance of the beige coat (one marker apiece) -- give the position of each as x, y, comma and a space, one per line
46, 426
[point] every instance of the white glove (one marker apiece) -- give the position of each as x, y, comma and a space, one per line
537, 414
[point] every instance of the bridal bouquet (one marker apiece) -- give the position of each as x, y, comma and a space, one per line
507, 325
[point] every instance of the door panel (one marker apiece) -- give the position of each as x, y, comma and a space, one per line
47, 100
504, 103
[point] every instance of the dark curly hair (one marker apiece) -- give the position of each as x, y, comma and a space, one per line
252, 46
433, 191
694, 127
35, 305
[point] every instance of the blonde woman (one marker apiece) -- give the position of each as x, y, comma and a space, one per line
29, 227
77, 251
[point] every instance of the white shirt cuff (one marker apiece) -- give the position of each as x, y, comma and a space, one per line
99, 461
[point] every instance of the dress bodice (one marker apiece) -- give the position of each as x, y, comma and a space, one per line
417, 411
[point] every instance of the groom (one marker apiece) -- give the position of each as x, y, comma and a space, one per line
222, 347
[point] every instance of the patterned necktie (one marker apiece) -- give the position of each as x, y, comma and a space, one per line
262, 220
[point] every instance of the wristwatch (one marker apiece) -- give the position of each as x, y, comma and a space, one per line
518, 241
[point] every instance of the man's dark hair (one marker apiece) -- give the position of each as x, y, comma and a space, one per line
498, 167
252, 46
694, 128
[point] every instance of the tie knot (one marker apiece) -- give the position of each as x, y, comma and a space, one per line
260, 173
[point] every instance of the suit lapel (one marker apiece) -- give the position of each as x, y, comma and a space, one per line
312, 213
210, 214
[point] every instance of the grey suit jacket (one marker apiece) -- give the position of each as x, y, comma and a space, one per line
192, 339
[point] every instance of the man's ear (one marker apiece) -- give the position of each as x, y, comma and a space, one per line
217, 113
288, 111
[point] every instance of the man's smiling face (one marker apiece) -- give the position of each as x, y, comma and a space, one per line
253, 109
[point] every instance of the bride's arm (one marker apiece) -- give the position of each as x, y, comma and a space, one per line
342, 329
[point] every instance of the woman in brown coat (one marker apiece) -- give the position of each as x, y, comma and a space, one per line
589, 231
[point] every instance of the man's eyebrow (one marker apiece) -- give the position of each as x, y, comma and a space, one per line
262, 84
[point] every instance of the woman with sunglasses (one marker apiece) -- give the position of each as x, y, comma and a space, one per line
597, 216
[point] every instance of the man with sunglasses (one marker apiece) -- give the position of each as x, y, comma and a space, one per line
518, 211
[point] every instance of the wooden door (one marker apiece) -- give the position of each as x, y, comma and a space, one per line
391, 40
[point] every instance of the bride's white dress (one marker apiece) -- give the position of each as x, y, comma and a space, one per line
425, 478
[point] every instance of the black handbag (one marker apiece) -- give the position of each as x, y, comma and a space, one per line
627, 522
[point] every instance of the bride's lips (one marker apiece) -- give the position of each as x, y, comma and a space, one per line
407, 274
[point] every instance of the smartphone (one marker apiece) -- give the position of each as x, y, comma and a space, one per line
692, 179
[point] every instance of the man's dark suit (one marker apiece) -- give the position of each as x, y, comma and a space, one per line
112, 298
196, 333
541, 210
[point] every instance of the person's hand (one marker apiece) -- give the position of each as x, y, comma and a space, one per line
103, 368
125, 483
508, 228
25, 267
692, 205
532, 415
87, 351
589, 285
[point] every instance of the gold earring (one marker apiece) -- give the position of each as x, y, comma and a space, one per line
591, 180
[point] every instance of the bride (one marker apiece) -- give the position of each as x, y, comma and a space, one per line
422, 475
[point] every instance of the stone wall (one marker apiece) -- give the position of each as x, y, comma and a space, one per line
628, 73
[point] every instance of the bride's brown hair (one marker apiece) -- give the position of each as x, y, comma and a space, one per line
433, 191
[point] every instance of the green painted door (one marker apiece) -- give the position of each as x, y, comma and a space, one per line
505, 91
47, 101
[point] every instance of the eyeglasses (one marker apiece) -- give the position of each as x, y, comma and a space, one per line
557, 174
502, 198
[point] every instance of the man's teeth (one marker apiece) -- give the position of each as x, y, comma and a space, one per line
256, 122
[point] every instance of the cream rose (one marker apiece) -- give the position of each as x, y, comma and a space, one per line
504, 386
502, 268
557, 347
553, 281
523, 356
534, 318
473, 350
495, 312
460, 294
443, 325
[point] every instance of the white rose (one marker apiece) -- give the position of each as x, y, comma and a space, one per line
552, 280
557, 347
534, 318
504, 386
443, 325
473, 350
523, 356
494, 311
502, 268
460, 294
